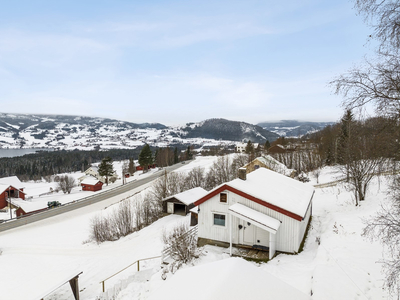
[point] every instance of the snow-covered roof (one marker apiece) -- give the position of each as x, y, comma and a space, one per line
12, 180
189, 196
231, 278
28, 206
273, 188
95, 169
255, 217
90, 180
274, 165
4, 187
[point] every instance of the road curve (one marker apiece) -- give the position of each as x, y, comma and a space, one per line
98, 197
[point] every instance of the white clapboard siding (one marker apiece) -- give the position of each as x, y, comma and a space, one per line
287, 239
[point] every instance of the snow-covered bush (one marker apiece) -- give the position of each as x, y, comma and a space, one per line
182, 247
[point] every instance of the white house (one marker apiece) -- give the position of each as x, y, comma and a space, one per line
263, 209
241, 147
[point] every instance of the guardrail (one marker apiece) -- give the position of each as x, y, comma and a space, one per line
138, 268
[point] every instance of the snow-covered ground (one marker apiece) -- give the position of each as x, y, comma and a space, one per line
343, 266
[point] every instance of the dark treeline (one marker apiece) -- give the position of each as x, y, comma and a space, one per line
371, 137
45, 163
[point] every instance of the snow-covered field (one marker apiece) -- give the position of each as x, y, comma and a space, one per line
343, 266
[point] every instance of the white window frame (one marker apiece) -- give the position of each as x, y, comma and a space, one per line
213, 219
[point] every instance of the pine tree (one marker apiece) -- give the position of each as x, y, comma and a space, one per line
106, 168
176, 157
250, 150
188, 153
131, 166
145, 157
267, 145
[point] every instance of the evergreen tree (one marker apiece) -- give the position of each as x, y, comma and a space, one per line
131, 166
176, 157
344, 138
106, 168
188, 153
267, 145
145, 157
250, 150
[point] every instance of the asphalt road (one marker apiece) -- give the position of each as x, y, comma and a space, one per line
98, 197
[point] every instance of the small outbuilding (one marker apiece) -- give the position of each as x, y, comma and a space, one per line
182, 203
10, 187
263, 210
91, 184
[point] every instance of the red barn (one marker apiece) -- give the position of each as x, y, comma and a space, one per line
10, 187
91, 184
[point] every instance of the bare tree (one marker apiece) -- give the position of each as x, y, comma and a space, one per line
384, 17
183, 247
364, 159
66, 183
195, 178
385, 228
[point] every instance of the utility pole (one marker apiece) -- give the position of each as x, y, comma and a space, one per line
9, 201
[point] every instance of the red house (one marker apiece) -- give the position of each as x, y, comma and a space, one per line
91, 184
10, 187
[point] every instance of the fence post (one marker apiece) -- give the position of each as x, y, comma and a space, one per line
104, 288
138, 265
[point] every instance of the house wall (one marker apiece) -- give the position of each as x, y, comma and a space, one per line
303, 224
14, 194
3, 202
287, 237
250, 167
97, 187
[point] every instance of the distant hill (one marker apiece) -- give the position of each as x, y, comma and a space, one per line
229, 130
87, 133
293, 128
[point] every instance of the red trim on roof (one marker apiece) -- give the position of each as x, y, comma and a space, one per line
247, 196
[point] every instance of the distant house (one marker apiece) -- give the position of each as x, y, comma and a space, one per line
140, 168
263, 209
91, 184
10, 187
270, 163
94, 172
26, 207
181, 203
241, 147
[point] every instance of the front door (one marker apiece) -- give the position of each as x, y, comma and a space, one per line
170, 207
248, 233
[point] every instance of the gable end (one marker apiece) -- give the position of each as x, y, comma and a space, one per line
249, 197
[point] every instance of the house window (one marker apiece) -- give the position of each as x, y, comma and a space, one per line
223, 197
219, 219
256, 167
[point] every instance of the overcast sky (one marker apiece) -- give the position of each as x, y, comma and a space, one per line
174, 62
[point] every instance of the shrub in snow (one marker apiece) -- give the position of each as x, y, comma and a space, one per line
129, 216
182, 247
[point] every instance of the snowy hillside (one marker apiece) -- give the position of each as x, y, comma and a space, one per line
86, 133
341, 266
292, 128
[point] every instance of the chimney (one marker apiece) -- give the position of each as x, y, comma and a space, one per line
242, 173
